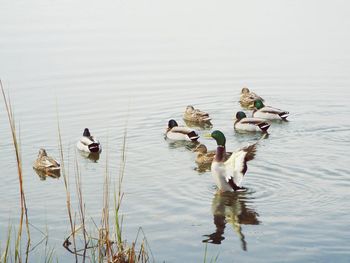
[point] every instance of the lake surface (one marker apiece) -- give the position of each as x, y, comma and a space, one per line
128, 64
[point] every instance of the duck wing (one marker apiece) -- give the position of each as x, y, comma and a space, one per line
88, 140
268, 109
49, 162
254, 121
187, 131
201, 115
263, 125
236, 165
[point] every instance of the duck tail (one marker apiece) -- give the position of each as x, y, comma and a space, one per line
94, 147
264, 126
193, 136
284, 115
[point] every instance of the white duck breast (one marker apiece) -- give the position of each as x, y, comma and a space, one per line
252, 125
89, 144
182, 134
271, 113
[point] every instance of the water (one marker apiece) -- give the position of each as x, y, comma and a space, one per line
135, 64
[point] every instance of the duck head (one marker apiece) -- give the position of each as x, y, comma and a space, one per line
219, 137
201, 149
42, 153
258, 104
189, 108
172, 123
245, 90
240, 115
86, 132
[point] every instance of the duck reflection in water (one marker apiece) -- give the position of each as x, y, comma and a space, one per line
94, 157
199, 125
182, 144
44, 174
231, 208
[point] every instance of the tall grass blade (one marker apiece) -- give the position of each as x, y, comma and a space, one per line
4, 256
66, 184
24, 211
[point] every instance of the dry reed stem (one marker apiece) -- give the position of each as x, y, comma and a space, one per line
20, 178
108, 250
81, 205
66, 184
105, 212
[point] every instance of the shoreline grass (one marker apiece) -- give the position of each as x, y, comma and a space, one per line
105, 243
23, 205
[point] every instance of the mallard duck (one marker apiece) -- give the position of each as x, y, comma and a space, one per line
228, 175
268, 113
195, 115
205, 157
88, 143
248, 98
243, 123
177, 133
46, 163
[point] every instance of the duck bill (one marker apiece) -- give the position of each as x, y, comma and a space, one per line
208, 136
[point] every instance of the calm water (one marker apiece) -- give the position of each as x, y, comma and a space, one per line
143, 62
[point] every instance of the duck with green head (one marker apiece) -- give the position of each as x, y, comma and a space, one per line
268, 112
180, 133
249, 124
228, 175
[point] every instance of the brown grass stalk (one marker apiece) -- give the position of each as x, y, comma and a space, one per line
66, 186
81, 206
23, 204
105, 212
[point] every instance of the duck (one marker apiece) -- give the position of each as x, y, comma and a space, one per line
243, 123
248, 98
195, 115
205, 157
180, 133
228, 175
268, 112
46, 163
88, 143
